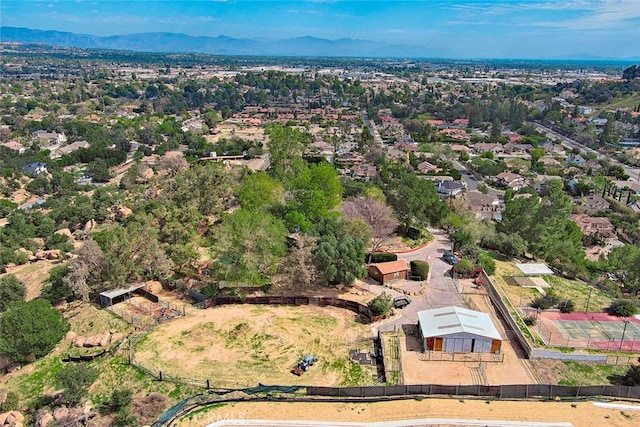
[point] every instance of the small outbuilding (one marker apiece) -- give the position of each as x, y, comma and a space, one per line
458, 330
385, 272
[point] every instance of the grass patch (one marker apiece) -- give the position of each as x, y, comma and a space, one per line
575, 374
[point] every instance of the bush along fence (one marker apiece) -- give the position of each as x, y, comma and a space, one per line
354, 306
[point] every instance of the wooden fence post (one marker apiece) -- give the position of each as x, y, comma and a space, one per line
160, 377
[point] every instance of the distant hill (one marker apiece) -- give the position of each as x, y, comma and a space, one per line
220, 45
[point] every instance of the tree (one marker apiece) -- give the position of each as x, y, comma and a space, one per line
75, 379
11, 290
623, 308
313, 195
248, 247
85, 271
260, 192
632, 377
536, 155
339, 254
420, 269
55, 288
286, 146
377, 215
381, 305
29, 330
496, 131
414, 200
297, 267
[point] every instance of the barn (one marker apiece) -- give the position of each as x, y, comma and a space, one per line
385, 272
458, 330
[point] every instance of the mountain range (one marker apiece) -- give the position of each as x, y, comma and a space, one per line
221, 45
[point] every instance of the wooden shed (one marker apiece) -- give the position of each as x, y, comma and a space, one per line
385, 272
458, 330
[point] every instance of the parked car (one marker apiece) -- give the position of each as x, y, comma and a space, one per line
401, 301
450, 258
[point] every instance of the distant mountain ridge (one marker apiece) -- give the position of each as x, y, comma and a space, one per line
220, 45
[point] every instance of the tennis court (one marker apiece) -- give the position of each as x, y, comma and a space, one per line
589, 330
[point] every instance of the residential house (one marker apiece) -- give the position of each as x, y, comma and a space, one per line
362, 172
15, 146
593, 202
74, 146
449, 188
517, 149
576, 159
592, 225
509, 180
485, 147
49, 140
485, 206
385, 272
426, 167
34, 169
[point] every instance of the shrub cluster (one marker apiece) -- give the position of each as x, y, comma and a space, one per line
420, 269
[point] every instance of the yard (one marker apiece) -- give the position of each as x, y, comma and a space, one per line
239, 346
566, 289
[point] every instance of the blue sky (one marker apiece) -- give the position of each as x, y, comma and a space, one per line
468, 28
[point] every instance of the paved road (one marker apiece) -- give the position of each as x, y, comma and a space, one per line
440, 289
634, 173
471, 182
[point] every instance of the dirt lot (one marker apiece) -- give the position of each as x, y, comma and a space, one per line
582, 414
514, 369
242, 345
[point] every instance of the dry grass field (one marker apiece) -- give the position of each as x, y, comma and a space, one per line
239, 346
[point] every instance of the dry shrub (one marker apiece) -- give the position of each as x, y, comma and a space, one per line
149, 408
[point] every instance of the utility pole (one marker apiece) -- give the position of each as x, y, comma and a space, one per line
626, 322
586, 309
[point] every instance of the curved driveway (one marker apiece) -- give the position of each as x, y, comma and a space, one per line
440, 289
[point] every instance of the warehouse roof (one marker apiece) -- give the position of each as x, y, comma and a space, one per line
454, 320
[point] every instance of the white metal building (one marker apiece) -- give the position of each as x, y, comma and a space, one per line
458, 330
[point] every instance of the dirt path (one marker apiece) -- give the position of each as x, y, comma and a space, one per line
580, 414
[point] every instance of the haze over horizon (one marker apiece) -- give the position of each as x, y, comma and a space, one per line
463, 28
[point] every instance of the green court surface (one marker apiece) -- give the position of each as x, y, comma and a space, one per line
599, 330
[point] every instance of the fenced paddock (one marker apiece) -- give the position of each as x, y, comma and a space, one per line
598, 331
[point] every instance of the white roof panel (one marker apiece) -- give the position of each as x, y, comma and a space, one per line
534, 269
456, 320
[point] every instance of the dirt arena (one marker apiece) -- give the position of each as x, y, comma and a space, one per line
580, 414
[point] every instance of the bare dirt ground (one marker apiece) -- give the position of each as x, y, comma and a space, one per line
514, 369
239, 346
581, 414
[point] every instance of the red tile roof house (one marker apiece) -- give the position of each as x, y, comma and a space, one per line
385, 272
592, 225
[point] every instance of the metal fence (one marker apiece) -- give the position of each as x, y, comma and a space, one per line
441, 356
354, 306
600, 341
512, 391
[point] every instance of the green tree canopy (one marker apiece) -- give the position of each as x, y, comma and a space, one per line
340, 253
29, 330
11, 290
286, 146
248, 247
414, 200
260, 192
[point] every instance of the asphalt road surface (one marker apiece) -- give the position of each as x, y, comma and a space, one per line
634, 173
